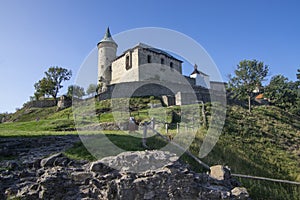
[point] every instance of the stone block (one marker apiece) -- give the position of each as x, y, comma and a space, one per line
220, 172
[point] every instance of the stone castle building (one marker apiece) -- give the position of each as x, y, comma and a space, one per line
144, 67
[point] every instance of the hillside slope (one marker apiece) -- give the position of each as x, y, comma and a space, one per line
264, 143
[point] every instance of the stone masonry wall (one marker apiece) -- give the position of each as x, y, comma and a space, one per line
119, 71
41, 103
156, 58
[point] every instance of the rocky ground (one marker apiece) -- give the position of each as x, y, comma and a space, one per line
31, 175
28, 150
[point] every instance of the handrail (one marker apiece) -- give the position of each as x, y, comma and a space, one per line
181, 148
265, 179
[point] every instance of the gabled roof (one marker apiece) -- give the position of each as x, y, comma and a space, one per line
156, 50
149, 48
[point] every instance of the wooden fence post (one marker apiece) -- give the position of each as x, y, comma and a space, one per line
203, 113
167, 128
144, 139
153, 124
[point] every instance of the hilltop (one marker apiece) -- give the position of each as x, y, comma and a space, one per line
263, 143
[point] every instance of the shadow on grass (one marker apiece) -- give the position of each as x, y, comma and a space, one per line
97, 146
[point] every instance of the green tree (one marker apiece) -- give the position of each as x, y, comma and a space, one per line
75, 91
3, 117
52, 82
247, 78
282, 92
91, 90
297, 111
298, 76
43, 87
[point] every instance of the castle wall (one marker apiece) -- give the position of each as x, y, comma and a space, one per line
191, 81
135, 89
184, 98
156, 58
201, 80
169, 100
45, 103
203, 94
123, 73
158, 72
134, 66
145, 88
218, 86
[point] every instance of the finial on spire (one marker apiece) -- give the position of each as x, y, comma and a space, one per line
196, 71
107, 34
107, 37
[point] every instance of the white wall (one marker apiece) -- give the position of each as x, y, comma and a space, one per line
156, 58
106, 54
201, 80
119, 71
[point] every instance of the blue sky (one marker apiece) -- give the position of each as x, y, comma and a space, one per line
35, 35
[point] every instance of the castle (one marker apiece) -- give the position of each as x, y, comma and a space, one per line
144, 68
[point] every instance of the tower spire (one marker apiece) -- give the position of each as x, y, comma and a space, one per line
107, 34
107, 37
107, 51
196, 71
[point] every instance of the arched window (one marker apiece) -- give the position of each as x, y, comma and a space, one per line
149, 58
171, 65
162, 61
127, 62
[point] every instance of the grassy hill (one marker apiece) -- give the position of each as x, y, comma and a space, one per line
264, 143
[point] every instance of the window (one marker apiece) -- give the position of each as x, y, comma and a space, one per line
149, 58
171, 65
127, 62
162, 61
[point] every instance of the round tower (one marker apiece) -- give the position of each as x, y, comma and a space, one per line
107, 51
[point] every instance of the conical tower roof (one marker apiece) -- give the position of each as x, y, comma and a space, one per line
107, 37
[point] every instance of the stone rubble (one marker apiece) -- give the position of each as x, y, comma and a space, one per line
58, 177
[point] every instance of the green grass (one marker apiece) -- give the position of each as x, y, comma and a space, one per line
79, 152
36, 126
103, 145
30, 114
264, 190
263, 143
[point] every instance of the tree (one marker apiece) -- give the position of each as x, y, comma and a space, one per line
52, 82
248, 77
43, 87
3, 117
297, 110
282, 92
75, 91
91, 90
